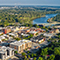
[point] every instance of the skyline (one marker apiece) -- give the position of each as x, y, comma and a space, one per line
30, 2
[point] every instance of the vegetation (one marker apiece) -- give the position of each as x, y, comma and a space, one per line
50, 52
24, 15
56, 18
16, 52
18, 39
30, 36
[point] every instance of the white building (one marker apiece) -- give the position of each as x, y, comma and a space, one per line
6, 52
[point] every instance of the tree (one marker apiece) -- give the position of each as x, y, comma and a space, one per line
32, 55
37, 26
28, 52
57, 51
27, 25
18, 39
16, 52
35, 55
26, 59
36, 33
52, 57
23, 54
34, 58
59, 36
40, 58
28, 56
44, 52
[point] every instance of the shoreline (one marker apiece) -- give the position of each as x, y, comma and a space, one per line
37, 18
49, 20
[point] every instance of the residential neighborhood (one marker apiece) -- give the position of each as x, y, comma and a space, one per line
20, 40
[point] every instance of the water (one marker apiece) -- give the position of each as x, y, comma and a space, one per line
43, 19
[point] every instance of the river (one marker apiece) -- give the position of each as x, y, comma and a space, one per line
43, 19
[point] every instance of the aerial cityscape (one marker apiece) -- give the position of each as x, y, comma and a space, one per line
30, 30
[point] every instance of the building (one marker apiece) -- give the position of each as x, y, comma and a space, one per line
49, 35
57, 31
13, 34
1, 33
33, 32
51, 31
39, 40
15, 29
23, 27
26, 35
20, 45
5, 31
6, 52
54, 31
0, 40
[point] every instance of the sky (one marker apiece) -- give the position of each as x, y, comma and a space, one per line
30, 2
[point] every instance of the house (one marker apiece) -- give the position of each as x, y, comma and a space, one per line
54, 31
26, 35
37, 29
42, 30
10, 41
2, 37
5, 30
20, 45
41, 40
1, 33
23, 27
27, 30
57, 31
1, 27
13, 34
33, 32
6, 52
49, 35
51, 31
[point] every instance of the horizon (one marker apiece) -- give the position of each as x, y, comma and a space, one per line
28, 5
31, 2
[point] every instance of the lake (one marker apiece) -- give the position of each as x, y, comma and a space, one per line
43, 19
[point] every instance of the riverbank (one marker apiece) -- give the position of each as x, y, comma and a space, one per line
46, 19
50, 20
37, 18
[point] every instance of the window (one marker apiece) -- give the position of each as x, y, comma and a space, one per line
7, 52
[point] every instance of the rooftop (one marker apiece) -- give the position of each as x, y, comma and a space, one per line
19, 43
3, 49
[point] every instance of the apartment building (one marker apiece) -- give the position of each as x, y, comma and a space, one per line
20, 45
6, 52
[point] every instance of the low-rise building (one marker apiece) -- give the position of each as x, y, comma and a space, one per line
57, 31
13, 34
54, 31
6, 52
6, 30
20, 45
39, 40
1, 33
23, 27
33, 32
49, 35
26, 35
